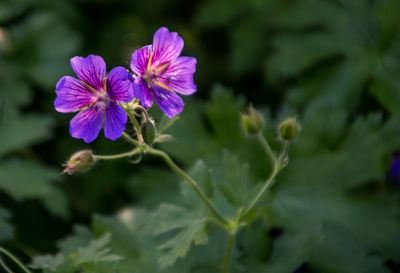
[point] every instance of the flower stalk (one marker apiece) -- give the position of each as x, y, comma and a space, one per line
277, 165
15, 260
231, 241
135, 151
191, 182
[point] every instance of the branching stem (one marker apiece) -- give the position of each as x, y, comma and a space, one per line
277, 165
191, 182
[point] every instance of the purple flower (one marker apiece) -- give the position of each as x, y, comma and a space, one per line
394, 171
161, 73
96, 96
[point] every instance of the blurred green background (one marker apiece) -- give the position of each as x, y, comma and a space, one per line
335, 64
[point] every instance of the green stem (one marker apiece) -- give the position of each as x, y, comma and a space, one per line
266, 185
231, 240
276, 167
136, 126
117, 156
284, 155
3, 265
15, 260
130, 139
191, 182
267, 148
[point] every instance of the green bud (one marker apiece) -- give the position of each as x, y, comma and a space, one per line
289, 129
148, 131
80, 161
252, 121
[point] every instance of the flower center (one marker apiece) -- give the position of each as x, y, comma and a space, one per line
153, 73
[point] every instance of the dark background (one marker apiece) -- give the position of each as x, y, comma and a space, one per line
333, 64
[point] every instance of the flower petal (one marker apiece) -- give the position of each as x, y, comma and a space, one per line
118, 85
170, 103
142, 92
91, 70
167, 46
179, 75
72, 95
139, 60
87, 124
115, 121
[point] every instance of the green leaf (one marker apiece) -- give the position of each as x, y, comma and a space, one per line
296, 53
92, 256
179, 245
97, 252
47, 263
345, 196
49, 40
36, 181
218, 12
186, 224
17, 132
10, 9
81, 237
293, 250
233, 180
6, 230
223, 114
331, 250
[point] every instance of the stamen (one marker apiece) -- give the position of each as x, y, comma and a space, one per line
149, 62
163, 86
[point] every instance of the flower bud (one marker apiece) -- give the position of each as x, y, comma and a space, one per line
289, 129
80, 161
148, 131
252, 121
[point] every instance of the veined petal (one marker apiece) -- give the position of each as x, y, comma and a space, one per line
118, 85
167, 46
115, 121
142, 92
91, 70
179, 75
87, 124
140, 59
72, 95
170, 103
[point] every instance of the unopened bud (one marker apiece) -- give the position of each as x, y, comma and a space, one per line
252, 121
148, 131
80, 161
289, 129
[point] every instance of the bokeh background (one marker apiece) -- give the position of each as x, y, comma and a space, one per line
335, 64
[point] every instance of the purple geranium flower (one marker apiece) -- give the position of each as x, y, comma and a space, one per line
96, 96
160, 72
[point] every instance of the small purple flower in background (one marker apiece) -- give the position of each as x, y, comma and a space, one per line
96, 96
394, 171
160, 72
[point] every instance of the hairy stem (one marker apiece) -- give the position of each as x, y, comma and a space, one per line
117, 156
191, 182
266, 185
136, 126
130, 139
15, 260
231, 240
276, 167
267, 148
